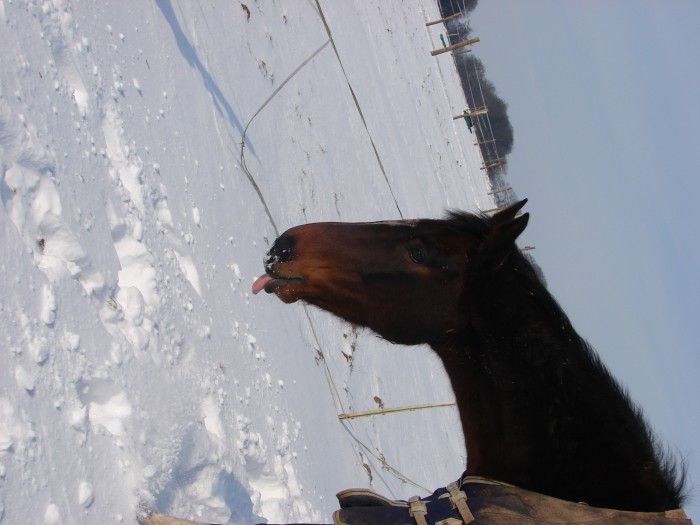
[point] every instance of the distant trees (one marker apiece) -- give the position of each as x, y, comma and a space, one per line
472, 72
449, 7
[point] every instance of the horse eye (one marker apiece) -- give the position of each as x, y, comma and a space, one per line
416, 254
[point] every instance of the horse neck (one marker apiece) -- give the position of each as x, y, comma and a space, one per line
540, 411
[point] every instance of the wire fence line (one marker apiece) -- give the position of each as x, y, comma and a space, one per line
494, 162
501, 192
357, 105
346, 423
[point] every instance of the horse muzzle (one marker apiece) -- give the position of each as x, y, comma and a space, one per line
274, 280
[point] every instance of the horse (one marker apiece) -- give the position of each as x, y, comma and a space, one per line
538, 408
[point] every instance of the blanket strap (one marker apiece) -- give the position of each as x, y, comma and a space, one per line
459, 501
418, 509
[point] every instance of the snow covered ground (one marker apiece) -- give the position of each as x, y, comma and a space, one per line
137, 370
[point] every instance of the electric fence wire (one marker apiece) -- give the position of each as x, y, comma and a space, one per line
242, 162
335, 393
357, 105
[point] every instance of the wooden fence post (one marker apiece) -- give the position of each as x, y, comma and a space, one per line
443, 19
379, 411
493, 164
455, 46
482, 110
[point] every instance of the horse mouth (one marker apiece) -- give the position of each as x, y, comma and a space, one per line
281, 286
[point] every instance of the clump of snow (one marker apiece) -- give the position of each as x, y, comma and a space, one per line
52, 515
24, 378
86, 496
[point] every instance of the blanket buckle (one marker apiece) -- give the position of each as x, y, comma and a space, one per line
418, 510
459, 501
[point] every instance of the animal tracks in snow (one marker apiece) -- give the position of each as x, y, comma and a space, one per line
272, 476
126, 167
86, 308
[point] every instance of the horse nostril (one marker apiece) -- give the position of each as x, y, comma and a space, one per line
282, 251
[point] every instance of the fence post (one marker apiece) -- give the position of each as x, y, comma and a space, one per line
379, 411
493, 164
443, 19
481, 110
455, 46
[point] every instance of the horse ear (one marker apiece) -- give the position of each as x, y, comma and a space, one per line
508, 213
500, 242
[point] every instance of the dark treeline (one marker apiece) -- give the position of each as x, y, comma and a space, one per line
472, 73
450, 7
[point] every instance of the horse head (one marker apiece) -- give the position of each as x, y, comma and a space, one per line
403, 279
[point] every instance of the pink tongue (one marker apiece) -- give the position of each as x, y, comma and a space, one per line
260, 283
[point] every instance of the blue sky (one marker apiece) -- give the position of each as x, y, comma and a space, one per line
604, 98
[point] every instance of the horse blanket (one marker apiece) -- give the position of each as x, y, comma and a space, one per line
486, 502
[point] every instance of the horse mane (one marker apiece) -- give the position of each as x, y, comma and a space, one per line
665, 471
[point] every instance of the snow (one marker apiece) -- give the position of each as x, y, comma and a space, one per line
138, 368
